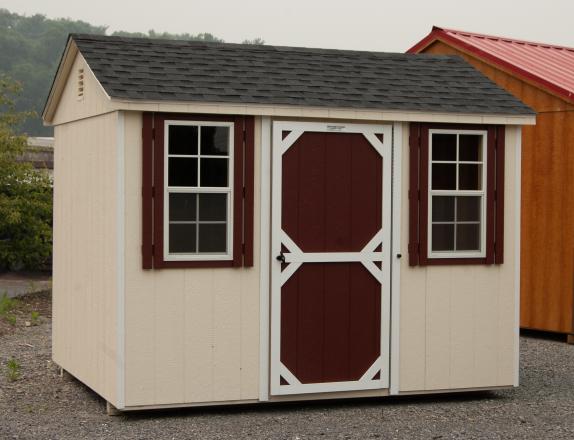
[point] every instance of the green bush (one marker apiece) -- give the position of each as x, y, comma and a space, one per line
25, 194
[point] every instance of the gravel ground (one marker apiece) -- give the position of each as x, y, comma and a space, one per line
40, 404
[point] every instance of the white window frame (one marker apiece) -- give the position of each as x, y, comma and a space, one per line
456, 192
198, 190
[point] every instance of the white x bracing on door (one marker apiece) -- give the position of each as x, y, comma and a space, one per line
368, 266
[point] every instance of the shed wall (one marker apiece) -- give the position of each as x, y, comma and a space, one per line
192, 335
85, 255
547, 284
458, 323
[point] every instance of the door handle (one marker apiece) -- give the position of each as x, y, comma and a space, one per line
280, 257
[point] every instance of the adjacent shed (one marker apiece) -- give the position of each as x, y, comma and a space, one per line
244, 224
541, 75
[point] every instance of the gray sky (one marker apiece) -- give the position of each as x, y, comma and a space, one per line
354, 24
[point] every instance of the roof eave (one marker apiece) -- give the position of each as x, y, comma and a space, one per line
284, 110
59, 81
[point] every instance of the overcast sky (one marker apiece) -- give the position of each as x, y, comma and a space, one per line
352, 24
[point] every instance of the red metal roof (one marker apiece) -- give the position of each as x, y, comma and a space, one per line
548, 65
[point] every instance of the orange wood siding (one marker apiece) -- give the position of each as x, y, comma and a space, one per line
547, 257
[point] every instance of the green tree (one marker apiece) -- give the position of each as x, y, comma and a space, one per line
25, 193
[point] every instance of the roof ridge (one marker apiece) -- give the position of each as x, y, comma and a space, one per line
256, 47
498, 37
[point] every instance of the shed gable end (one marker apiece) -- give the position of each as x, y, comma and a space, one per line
81, 96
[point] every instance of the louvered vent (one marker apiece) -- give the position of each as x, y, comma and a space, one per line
80, 84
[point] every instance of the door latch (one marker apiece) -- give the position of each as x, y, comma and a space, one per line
280, 257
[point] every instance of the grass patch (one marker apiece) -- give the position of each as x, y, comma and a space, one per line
13, 373
6, 306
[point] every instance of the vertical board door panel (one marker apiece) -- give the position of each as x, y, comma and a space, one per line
331, 235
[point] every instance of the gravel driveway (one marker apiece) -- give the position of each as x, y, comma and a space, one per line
40, 404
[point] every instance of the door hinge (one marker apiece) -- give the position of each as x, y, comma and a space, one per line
153, 191
243, 248
244, 192
153, 249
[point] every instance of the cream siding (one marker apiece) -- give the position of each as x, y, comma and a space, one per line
85, 265
458, 323
94, 101
191, 335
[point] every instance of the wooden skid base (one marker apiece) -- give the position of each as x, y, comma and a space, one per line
111, 410
570, 339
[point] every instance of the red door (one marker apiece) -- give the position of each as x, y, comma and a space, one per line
329, 299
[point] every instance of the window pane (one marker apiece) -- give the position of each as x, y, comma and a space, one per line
214, 172
212, 238
470, 147
182, 238
444, 147
182, 139
443, 176
468, 209
182, 172
182, 207
213, 207
442, 208
468, 237
470, 176
442, 237
215, 141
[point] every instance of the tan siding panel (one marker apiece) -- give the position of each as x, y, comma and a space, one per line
192, 335
457, 323
85, 270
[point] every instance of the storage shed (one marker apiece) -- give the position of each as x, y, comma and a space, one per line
541, 75
243, 224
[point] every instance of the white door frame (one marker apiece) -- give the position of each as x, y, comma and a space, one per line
296, 257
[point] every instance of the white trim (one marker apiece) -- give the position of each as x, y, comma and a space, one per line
120, 255
517, 220
285, 111
295, 257
332, 257
456, 192
394, 385
229, 189
264, 282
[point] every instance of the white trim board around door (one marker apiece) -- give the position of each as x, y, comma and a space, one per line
296, 257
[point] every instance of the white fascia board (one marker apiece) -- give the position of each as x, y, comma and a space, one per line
319, 112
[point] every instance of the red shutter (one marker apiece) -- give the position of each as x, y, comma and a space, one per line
499, 199
152, 191
414, 191
490, 185
249, 191
418, 196
147, 188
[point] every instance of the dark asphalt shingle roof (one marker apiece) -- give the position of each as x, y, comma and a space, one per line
165, 70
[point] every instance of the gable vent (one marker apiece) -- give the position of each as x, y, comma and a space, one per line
80, 84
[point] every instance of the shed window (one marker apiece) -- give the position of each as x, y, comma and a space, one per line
456, 194
197, 191
457, 215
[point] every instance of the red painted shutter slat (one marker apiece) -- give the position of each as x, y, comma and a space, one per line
499, 208
147, 185
414, 143
158, 162
423, 194
490, 186
248, 202
238, 193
